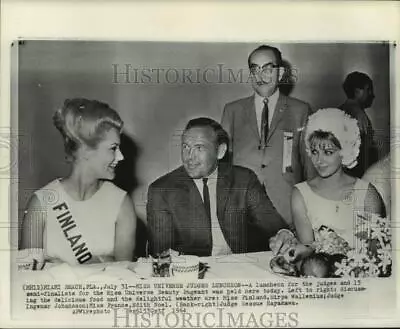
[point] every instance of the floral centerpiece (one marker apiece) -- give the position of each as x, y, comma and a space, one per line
329, 242
371, 256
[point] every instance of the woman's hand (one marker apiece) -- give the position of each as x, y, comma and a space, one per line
297, 252
282, 242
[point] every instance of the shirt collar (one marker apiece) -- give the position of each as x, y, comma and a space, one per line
272, 100
213, 175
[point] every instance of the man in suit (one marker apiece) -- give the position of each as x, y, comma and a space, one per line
359, 90
265, 130
206, 206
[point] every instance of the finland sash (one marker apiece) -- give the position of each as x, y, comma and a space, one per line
72, 233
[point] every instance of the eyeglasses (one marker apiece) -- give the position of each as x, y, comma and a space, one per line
267, 69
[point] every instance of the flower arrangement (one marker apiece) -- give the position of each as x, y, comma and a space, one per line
342, 126
329, 242
334, 257
371, 256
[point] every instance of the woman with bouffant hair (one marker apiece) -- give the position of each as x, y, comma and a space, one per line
83, 217
332, 212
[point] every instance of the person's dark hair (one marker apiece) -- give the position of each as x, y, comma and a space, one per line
320, 135
222, 135
276, 52
353, 81
83, 121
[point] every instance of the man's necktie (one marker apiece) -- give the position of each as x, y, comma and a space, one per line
264, 124
206, 197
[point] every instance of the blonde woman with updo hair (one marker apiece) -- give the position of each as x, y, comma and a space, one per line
83, 218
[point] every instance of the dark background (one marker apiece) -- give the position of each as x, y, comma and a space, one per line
156, 110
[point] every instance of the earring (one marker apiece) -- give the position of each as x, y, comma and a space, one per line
68, 158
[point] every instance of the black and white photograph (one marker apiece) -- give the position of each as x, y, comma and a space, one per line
198, 183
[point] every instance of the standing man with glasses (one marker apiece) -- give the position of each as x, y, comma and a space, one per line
265, 130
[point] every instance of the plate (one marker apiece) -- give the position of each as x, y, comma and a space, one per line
163, 271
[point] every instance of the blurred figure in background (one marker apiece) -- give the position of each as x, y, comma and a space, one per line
359, 90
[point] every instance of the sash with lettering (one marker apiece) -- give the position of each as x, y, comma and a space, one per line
72, 233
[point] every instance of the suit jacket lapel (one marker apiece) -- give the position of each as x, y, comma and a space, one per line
280, 108
188, 192
251, 115
223, 186
192, 219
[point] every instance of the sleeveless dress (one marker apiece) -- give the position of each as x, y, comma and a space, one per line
339, 216
77, 231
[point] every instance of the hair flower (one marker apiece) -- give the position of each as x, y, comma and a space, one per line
342, 126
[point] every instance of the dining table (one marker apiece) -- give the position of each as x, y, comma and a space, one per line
234, 266
226, 271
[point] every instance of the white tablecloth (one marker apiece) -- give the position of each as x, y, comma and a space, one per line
235, 266
239, 266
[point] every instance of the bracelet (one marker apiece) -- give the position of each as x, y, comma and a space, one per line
310, 245
285, 230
